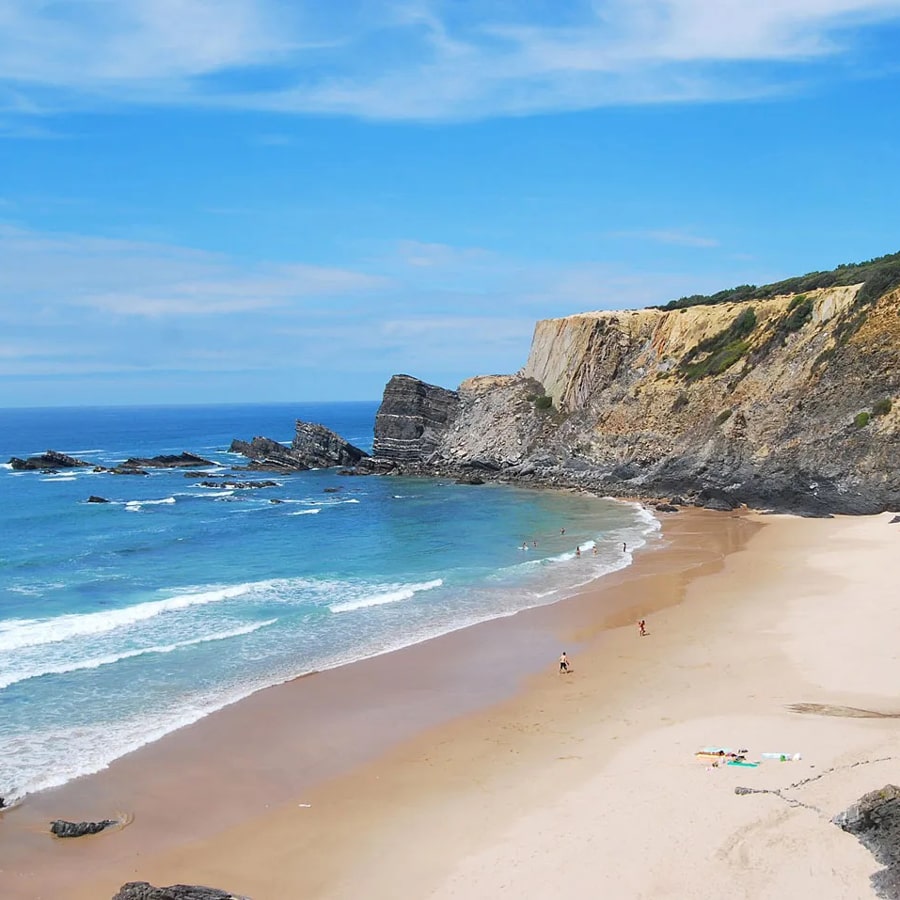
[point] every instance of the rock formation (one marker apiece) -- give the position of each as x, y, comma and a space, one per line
875, 820
166, 461
313, 447
95, 499
51, 459
412, 419
238, 485
64, 829
725, 404
141, 890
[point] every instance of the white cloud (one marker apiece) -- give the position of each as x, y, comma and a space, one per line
674, 236
414, 59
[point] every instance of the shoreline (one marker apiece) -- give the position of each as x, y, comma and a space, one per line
337, 702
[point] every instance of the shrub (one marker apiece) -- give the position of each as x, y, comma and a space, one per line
799, 313
724, 348
543, 402
882, 407
861, 420
723, 417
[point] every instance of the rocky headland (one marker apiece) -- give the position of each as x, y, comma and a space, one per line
786, 402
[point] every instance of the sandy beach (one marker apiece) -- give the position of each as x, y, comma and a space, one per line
466, 767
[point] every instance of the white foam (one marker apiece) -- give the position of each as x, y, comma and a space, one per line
401, 592
19, 633
62, 668
305, 512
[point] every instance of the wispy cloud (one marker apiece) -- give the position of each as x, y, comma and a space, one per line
675, 236
416, 59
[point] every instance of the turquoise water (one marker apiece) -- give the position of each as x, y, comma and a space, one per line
120, 622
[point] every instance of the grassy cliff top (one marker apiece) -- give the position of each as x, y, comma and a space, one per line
877, 277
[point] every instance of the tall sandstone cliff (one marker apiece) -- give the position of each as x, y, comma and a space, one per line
788, 402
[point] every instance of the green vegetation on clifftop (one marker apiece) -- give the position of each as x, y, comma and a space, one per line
877, 276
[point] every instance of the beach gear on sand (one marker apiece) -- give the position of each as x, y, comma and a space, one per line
783, 757
742, 762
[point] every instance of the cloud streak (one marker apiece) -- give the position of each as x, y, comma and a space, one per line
416, 59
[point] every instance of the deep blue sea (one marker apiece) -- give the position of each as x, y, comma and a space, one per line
121, 622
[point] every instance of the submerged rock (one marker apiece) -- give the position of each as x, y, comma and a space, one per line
875, 820
141, 890
64, 829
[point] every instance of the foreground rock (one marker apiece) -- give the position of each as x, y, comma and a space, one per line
64, 829
51, 459
313, 447
166, 461
875, 820
141, 890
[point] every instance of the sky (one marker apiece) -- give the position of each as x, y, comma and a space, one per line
289, 200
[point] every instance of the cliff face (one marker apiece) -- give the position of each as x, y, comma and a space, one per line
412, 419
789, 402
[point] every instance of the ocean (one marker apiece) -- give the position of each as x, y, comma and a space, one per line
120, 622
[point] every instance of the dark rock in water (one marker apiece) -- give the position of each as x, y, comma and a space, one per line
238, 485
95, 499
314, 446
51, 459
331, 490
199, 475
320, 447
2, 803
141, 890
470, 479
274, 500
678, 500
64, 829
665, 507
124, 470
412, 419
875, 820
166, 461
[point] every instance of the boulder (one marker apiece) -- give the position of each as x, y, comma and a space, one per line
895, 520
95, 499
238, 485
875, 820
470, 479
64, 829
51, 459
141, 890
665, 507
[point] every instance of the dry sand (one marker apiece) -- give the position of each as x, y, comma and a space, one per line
583, 784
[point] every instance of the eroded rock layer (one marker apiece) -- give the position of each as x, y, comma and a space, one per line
788, 402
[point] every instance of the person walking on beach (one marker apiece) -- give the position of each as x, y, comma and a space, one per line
563, 663
578, 551
642, 627
624, 546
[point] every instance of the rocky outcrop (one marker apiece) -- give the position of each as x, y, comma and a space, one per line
726, 404
238, 485
64, 829
413, 419
95, 499
313, 447
141, 890
875, 820
165, 461
321, 448
49, 460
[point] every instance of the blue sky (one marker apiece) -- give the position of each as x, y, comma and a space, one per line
256, 200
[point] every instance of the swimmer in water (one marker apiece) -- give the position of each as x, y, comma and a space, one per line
578, 551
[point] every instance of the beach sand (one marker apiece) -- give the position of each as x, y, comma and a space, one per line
466, 767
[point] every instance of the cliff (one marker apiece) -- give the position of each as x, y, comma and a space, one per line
788, 401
